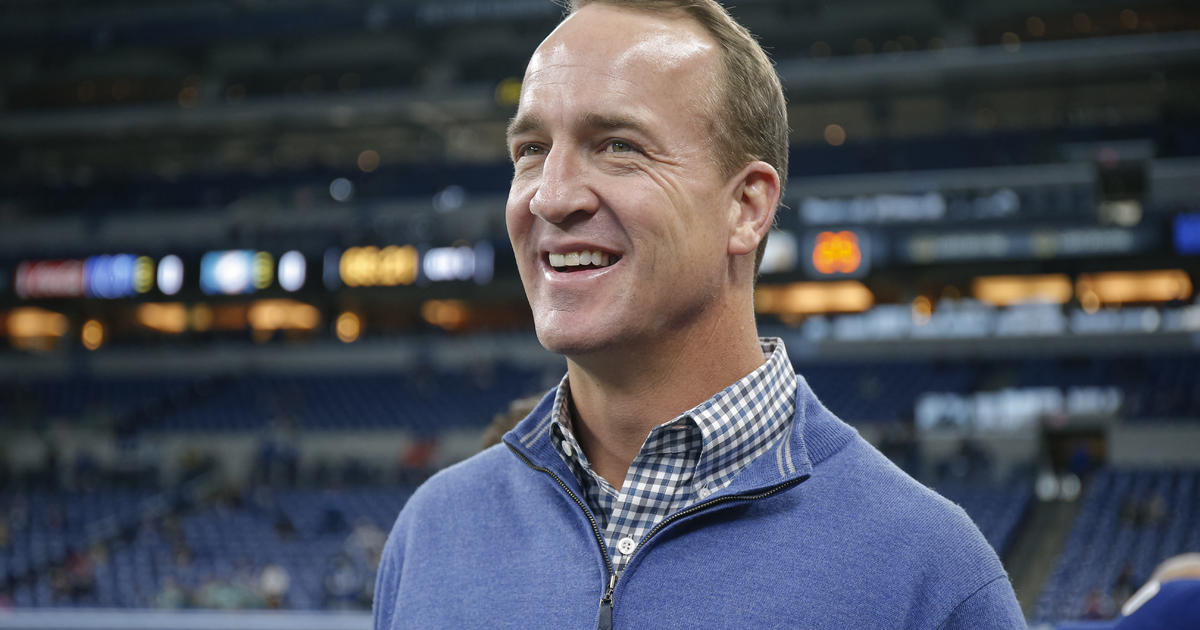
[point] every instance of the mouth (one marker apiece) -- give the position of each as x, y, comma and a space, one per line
583, 260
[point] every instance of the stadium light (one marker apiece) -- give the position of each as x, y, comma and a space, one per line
49, 279
371, 266
1123, 287
811, 298
270, 315
292, 271
348, 327
170, 318
170, 274
448, 314
1009, 290
92, 334
33, 328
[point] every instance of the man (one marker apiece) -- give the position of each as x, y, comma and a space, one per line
681, 475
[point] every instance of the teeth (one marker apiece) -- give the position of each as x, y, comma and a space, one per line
581, 258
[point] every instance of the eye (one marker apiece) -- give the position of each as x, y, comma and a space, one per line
619, 146
529, 150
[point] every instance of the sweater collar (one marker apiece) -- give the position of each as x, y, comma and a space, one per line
814, 435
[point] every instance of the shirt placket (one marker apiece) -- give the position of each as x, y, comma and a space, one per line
654, 488
682, 463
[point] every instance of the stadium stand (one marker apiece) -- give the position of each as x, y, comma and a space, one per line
1154, 389
1129, 521
207, 463
114, 197
134, 548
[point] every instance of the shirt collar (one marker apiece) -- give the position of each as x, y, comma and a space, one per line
746, 417
738, 421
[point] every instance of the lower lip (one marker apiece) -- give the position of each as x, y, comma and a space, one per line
576, 276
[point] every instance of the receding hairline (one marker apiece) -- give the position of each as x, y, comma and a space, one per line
712, 70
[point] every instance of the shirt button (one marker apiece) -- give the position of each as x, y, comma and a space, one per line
704, 492
626, 545
566, 447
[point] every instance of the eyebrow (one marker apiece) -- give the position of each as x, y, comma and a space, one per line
592, 121
610, 122
523, 124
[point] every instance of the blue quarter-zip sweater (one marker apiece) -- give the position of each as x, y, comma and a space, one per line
820, 532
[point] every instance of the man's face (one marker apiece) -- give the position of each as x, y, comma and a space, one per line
618, 215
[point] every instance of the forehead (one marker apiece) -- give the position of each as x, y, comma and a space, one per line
603, 56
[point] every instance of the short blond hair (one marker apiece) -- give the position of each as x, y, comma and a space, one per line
749, 113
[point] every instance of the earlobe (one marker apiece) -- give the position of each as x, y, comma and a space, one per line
756, 196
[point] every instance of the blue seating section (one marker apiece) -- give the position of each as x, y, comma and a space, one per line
233, 544
1162, 387
82, 397
861, 393
1155, 388
1102, 541
423, 404
43, 527
1171, 388
415, 181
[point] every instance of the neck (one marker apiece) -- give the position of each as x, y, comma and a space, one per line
620, 397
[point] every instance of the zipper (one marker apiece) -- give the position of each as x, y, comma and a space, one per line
605, 622
606, 601
725, 499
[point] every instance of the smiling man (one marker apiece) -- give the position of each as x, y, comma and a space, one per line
681, 475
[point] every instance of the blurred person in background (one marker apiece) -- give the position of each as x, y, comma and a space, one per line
504, 422
273, 585
343, 584
362, 548
219, 593
1123, 586
365, 543
172, 595
680, 475
1097, 606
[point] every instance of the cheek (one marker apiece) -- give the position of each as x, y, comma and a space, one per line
517, 219
676, 230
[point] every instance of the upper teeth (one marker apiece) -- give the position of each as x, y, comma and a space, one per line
575, 259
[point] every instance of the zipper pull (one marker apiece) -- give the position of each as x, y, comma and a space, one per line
606, 604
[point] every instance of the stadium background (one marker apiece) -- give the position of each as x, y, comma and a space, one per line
255, 283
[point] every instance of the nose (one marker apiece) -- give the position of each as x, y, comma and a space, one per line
563, 189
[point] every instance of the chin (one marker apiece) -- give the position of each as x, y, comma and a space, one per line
570, 341
566, 344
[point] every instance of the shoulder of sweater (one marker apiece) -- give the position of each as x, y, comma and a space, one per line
460, 482
869, 483
918, 530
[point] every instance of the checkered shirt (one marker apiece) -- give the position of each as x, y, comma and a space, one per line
685, 460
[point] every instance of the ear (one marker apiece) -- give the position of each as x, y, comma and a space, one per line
752, 211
